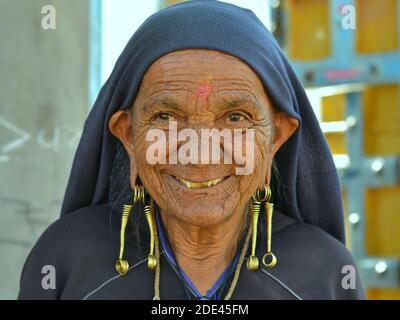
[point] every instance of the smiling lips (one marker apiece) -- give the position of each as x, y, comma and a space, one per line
204, 184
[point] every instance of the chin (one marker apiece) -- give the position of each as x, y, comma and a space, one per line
202, 214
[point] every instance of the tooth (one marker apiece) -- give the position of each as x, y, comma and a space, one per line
190, 184
216, 181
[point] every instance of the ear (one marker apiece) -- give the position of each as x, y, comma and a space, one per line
120, 126
284, 127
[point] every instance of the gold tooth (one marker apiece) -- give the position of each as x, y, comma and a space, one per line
191, 184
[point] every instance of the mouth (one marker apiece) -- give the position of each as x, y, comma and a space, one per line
204, 184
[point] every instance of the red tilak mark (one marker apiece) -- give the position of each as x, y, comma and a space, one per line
204, 90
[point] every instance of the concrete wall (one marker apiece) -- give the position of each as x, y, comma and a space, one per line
43, 105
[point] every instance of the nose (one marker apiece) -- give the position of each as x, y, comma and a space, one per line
210, 145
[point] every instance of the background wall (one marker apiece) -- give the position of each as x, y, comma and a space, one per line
43, 104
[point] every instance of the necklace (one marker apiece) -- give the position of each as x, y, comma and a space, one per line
235, 276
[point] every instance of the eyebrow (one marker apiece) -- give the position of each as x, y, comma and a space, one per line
162, 101
239, 100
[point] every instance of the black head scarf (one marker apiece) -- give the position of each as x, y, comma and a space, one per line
310, 182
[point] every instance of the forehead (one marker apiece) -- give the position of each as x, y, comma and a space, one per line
199, 66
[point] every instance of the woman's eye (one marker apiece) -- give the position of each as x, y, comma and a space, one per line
164, 116
235, 117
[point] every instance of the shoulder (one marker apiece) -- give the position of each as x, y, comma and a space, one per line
74, 241
308, 239
318, 262
85, 222
315, 242
75, 232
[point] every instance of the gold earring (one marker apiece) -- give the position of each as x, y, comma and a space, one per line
149, 213
269, 208
121, 265
138, 194
255, 207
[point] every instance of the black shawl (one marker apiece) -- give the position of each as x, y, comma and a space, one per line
310, 183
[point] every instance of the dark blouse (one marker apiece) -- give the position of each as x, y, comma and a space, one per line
218, 290
84, 245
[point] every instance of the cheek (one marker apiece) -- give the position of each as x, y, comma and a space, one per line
249, 183
150, 176
148, 172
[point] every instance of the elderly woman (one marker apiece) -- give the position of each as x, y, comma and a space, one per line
144, 218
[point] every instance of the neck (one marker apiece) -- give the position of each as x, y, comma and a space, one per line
204, 253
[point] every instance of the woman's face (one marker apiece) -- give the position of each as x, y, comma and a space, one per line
201, 90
